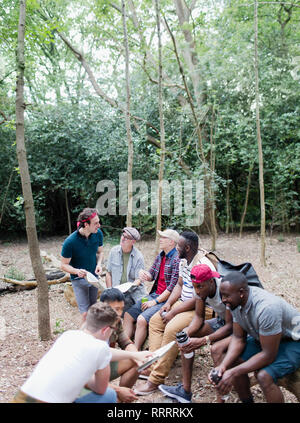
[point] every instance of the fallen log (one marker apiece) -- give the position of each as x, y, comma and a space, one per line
33, 283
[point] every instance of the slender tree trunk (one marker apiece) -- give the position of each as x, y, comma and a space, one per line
260, 150
227, 202
127, 119
162, 127
5, 195
207, 171
34, 250
246, 198
68, 211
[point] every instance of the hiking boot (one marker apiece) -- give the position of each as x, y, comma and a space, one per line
176, 392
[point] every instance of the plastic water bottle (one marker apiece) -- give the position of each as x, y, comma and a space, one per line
182, 339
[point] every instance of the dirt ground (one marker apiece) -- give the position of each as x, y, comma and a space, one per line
20, 347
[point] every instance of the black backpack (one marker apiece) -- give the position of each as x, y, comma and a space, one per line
224, 267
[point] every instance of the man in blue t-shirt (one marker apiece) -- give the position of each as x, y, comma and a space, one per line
82, 251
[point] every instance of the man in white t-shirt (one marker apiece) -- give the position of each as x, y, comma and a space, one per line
206, 285
78, 358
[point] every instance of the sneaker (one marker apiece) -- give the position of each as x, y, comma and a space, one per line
176, 392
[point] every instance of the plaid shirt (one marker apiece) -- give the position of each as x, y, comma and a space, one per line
171, 268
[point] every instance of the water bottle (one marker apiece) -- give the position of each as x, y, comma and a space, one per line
182, 339
214, 375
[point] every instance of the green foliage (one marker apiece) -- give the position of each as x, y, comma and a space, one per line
74, 139
14, 273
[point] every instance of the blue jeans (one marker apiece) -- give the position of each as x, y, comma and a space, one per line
109, 396
85, 293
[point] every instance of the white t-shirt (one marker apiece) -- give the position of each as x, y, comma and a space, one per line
67, 367
187, 291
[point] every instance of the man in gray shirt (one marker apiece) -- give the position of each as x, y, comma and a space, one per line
124, 261
272, 349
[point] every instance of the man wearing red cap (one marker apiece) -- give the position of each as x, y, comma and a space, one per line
206, 284
82, 251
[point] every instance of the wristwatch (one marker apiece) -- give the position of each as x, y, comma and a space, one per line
207, 340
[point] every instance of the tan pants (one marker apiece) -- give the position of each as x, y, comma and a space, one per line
160, 335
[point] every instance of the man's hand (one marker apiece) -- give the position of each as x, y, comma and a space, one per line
192, 345
141, 356
125, 394
81, 273
148, 304
167, 317
220, 369
166, 307
144, 275
98, 269
226, 383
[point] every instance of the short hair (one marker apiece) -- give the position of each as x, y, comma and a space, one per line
100, 315
192, 239
235, 278
110, 295
85, 216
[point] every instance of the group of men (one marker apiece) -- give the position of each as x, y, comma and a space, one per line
252, 330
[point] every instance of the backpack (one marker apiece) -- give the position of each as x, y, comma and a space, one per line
223, 267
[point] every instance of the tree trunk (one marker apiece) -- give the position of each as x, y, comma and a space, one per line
43, 301
127, 119
246, 198
68, 212
260, 150
162, 128
227, 203
5, 195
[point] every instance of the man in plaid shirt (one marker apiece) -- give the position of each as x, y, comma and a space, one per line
165, 273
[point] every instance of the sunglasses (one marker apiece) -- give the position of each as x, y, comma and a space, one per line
125, 236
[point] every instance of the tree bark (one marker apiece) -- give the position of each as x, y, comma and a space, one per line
259, 143
127, 120
246, 198
162, 127
43, 301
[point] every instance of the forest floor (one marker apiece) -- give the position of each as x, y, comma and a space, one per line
20, 347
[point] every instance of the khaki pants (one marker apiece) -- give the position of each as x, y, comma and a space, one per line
160, 335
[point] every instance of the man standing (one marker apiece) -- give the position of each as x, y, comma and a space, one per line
164, 272
82, 251
201, 332
272, 347
124, 261
180, 310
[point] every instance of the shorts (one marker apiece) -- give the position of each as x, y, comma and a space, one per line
85, 293
136, 310
287, 360
215, 323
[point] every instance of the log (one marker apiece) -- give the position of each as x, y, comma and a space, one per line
33, 283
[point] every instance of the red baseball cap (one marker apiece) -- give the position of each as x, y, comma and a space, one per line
202, 272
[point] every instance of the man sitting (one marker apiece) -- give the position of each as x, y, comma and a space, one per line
202, 332
164, 272
126, 369
272, 347
175, 315
78, 358
124, 261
